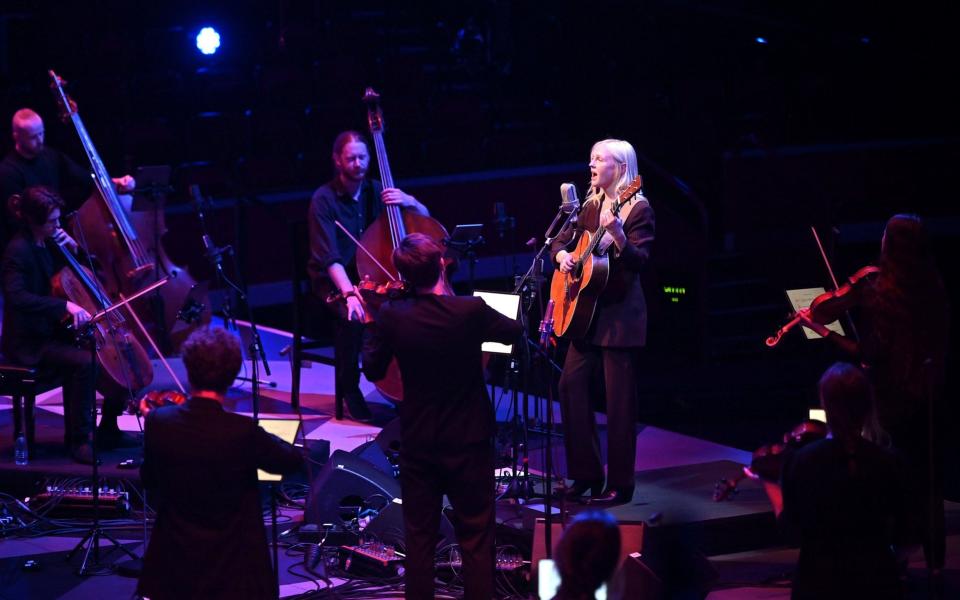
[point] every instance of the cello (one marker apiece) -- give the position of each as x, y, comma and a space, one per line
127, 245
385, 233
125, 366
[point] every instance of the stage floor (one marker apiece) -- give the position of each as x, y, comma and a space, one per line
676, 475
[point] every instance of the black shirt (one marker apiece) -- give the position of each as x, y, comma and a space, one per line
437, 343
30, 313
51, 168
845, 508
328, 244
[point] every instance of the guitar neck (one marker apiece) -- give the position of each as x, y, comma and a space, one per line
621, 200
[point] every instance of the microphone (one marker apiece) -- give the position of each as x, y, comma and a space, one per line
570, 204
196, 197
501, 220
546, 325
211, 250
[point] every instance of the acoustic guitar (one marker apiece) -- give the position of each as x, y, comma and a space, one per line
575, 293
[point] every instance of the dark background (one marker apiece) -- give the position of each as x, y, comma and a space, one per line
846, 115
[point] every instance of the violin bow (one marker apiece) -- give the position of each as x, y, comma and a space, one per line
365, 251
833, 278
149, 337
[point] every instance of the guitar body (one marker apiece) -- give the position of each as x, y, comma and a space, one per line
575, 294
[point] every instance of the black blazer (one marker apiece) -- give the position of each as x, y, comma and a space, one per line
436, 340
621, 316
209, 540
31, 316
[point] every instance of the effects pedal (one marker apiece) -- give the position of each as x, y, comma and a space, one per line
372, 559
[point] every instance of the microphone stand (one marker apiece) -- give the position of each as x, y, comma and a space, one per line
528, 285
543, 353
214, 255
567, 213
90, 542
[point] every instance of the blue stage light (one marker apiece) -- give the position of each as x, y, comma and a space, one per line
761, 40
208, 40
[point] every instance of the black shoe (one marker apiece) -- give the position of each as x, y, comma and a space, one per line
579, 488
357, 407
108, 439
612, 497
83, 454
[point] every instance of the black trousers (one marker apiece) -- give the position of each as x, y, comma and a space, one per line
347, 343
71, 365
911, 436
465, 475
581, 440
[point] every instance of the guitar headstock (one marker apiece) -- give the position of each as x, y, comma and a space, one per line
374, 114
635, 186
67, 106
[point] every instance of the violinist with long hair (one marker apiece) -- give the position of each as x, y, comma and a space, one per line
903, 316
33, 334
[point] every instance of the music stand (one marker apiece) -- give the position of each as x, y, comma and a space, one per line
509, 306
463, 242
153, 183
286, 430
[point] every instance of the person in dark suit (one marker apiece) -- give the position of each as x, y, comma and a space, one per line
844, 499
33, 334
209, 540
616, 334
446, 417
355, 201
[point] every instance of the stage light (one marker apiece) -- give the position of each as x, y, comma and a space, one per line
761, 40
208, 40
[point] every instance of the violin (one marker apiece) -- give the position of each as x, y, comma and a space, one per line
830, 306
768, 460
158, 398
374, 294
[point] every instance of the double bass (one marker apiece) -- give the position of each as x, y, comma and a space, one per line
385, 233
127, 246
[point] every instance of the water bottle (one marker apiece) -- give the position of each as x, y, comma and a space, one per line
20, 455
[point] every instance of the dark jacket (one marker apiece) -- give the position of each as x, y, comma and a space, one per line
845, 508
436, 341
209, 540
31, 316
51, 168
620, 320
